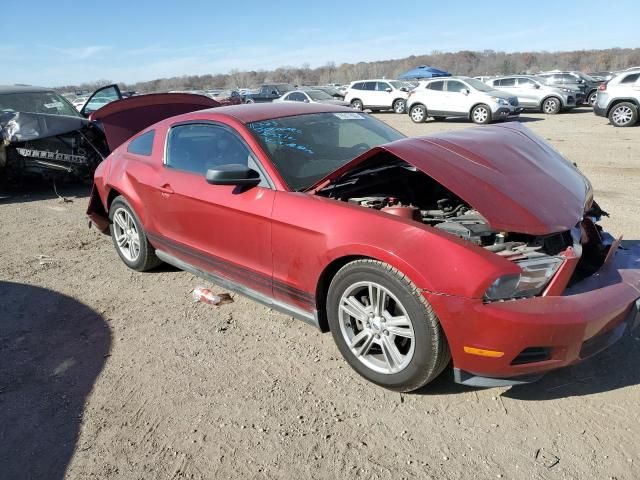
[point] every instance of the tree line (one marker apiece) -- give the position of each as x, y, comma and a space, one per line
464, 62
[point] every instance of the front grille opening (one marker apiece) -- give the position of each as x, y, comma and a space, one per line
532, 355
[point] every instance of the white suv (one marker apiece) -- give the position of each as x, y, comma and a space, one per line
619, 99
377, 95
460, 97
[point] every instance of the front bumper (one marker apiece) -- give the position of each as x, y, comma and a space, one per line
505, 112
586, 319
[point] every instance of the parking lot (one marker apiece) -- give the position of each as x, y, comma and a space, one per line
134, 380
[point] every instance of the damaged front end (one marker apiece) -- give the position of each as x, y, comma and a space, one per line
48, 146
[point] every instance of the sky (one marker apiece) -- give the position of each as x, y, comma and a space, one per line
54, 43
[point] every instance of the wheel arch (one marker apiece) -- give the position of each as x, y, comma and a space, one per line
329, 271
552, 95
617, 101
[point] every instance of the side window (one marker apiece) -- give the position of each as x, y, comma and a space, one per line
525, 82
436, 85
358, 86
142, 145
455, 86
507, 82
631, 78
369, 86
297, 97
198, 147
382, 86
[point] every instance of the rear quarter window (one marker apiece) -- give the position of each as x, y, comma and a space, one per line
142, 145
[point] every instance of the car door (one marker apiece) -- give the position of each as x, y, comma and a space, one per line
457, 98
384, 95
100, 98
528, 92
220, 229
435, 100
368, 94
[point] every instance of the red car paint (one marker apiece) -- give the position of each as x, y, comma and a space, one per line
281, 245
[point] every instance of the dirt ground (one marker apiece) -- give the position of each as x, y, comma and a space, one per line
109, 373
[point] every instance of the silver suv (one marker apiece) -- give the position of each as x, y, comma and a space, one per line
587, 85
619, 99
534, 93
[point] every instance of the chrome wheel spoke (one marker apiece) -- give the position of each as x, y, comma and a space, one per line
392, 355
366, 345
352, 306
121, 222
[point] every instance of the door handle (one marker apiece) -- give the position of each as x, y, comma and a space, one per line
166, 188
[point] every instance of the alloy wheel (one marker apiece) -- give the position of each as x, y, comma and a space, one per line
550, 106
622, 115
418, 114
126, 234
376, 327
480, 115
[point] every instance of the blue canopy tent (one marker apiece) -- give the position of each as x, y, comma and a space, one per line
423, 71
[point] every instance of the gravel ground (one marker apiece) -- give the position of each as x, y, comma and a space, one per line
109, 373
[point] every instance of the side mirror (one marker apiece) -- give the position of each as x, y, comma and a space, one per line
388, 90
465, 91
233, 174
306, 100
404, 89
536, 86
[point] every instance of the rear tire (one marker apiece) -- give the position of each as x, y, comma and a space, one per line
399, 106
357, 104
129, 237
397, 343
481, 114
551, 105
418, 113
624, 114
591, 100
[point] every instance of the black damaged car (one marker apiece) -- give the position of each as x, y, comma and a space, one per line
43, 135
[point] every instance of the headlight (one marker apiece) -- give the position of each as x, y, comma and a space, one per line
500, 101
536, 274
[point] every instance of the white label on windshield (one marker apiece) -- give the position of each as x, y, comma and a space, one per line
349, 116
53, 105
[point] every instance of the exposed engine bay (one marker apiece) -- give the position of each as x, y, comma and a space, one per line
401, 189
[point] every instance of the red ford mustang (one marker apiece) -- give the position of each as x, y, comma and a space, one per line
478, 246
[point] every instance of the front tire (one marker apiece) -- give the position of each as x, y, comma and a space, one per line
399, 106
624, 114
129, 237
481, 114
551, 105
384, 327
357, 104
418, 113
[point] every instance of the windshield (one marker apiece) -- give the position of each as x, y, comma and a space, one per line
478, 85
37, 102
319, 95
305, 148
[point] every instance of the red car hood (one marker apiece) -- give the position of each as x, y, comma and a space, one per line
124, 118
515, 179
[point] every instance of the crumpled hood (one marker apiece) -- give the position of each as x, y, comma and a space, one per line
24, 126
515, 179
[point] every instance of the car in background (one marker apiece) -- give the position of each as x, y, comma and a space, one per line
376, 95
602, 76
267, 93
619, 99
329, 89
460, 97
534, 93
43, 135
484, 78
311, 96
576, 81
79, 102
477, 246
226, 97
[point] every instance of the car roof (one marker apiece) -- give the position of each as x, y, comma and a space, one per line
23, 89
257, 112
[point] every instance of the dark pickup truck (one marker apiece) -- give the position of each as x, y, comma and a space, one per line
268, 93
